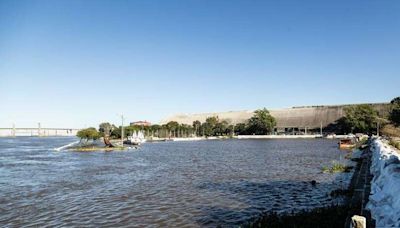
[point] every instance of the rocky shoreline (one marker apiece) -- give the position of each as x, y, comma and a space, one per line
384, 200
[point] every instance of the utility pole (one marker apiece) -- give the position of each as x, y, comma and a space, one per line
13, 132
321, 129
377, 128
122, 130
39, 129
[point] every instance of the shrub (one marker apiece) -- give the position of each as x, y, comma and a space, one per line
325, 169
394, 143
336, 168
390, 130
360, 118
363, 141
394, 115
88, 134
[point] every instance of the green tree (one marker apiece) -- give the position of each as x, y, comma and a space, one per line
155, 129
185, 130
230, 130
88, 134
394, 115
164, 131
105, 128
221, 128
208, 127
172, 126
395, 100
240, 128
196, 125
261, 123
360, 118
212, 121
130, 129
116, 133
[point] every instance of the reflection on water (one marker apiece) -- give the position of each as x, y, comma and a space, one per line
203, 183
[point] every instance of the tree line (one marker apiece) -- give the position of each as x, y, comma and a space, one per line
357, 119
260, 123
365, 119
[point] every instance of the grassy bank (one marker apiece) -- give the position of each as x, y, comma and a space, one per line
394, 143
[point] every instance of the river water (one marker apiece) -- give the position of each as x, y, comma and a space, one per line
169, 184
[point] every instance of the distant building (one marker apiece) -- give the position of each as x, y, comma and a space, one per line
140, 123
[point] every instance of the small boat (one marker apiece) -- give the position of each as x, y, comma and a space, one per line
136, 138
346, 144
331, 136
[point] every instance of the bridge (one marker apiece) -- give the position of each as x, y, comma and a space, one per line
38, 132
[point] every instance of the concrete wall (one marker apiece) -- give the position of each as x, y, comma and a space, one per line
297, 117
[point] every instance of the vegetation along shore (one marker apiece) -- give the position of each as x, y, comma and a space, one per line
357, 119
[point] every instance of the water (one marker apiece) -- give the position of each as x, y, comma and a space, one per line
180, 184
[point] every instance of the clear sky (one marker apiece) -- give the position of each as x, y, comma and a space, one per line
77, 63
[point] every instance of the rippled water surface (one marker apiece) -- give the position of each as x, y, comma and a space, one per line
204, 183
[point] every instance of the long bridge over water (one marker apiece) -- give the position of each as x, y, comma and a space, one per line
38, 132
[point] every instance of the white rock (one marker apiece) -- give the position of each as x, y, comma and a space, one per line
358, 222
384, 201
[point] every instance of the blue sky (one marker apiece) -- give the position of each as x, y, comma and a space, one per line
77, 63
